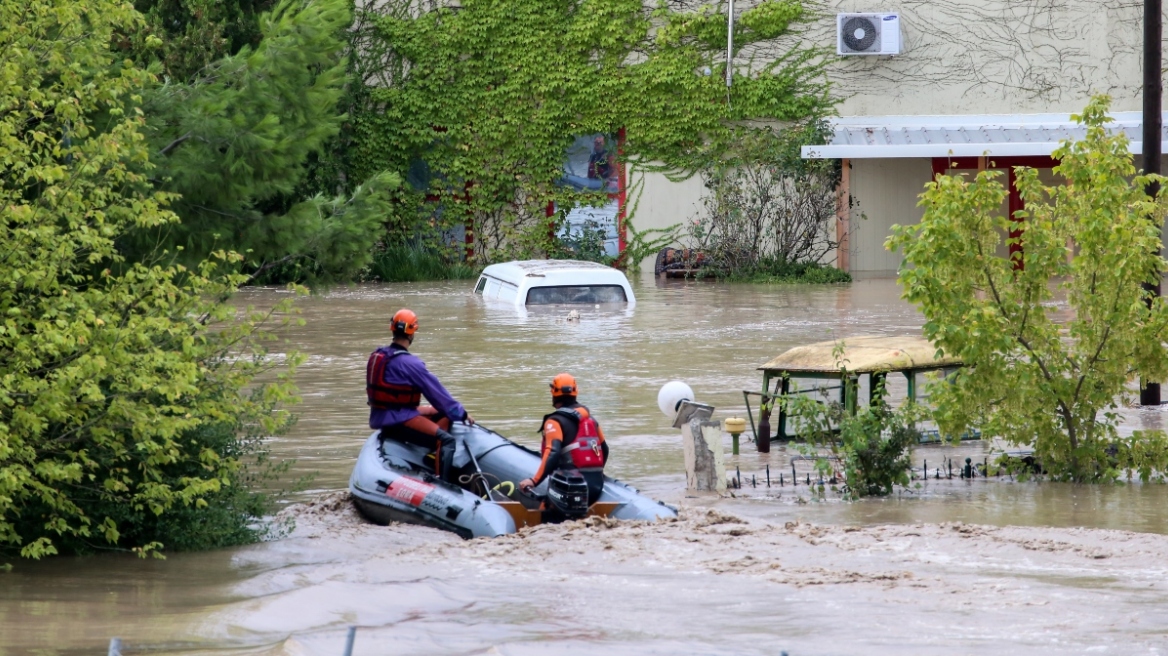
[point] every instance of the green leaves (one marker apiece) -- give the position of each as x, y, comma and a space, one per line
107, 367
1053, 336
234, 137
487, 98
873, 444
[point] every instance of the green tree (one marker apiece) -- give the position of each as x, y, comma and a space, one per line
120, 382
233, 137
1042, 373
477, 104
196, 33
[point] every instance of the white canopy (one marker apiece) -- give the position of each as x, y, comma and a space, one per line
967, 135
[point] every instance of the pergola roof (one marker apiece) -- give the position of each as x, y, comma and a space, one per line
968, 135
863, 354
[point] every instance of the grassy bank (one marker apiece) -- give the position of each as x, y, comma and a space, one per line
409, 263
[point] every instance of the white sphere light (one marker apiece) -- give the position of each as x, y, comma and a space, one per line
672, 394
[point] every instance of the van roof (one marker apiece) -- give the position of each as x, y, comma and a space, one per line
561, 271
538, 267
523, 275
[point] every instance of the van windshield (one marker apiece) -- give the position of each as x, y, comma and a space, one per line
570, 294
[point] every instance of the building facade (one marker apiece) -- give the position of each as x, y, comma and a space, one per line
978, 84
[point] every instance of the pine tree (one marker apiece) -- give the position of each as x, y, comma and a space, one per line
233, 141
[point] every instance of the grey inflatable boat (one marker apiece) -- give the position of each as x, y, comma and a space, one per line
392, 481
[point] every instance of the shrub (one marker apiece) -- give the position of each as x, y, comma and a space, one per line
775, 270
412, 263
873, 445
768, 212
1037, 375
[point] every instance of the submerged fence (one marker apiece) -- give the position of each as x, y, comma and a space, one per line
115, 646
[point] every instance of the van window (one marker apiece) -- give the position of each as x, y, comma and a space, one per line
482, 283
576, 294
508, 292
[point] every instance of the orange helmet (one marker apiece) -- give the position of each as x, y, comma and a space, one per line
563, 385
404, 322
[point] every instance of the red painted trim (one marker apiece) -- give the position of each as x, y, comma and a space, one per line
549, 212
1032, 161
468, 224
1014, 201
942, 164
1015, 204
622, 235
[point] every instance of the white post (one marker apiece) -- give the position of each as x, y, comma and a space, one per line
701, 438
730, 44
705, 470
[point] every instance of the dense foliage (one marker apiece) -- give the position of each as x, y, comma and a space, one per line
477, 104
1052, 335
193, 34
247, 103
121, 411
412, 263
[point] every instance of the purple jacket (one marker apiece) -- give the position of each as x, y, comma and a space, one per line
408, 369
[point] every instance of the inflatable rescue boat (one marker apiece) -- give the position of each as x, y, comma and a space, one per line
392, 481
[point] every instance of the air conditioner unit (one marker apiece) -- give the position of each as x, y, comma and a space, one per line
867, 34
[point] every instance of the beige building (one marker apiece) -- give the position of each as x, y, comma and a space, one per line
992, 79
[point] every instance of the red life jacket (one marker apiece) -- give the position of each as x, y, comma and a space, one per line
582, 447
388, 396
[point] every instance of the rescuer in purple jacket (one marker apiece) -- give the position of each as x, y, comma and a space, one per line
396, 381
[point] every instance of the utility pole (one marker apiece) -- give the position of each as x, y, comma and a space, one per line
1153, 32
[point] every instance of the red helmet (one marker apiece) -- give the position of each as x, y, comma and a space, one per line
563, 385
404, 322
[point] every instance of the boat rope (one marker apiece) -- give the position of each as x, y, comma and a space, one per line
469, 480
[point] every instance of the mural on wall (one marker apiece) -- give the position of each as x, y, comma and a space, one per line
591, 165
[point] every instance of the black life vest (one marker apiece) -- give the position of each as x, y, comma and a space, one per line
388, 396
582, 447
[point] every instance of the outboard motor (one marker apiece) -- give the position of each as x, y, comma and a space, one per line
568, 493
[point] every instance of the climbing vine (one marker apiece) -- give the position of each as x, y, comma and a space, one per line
476, 105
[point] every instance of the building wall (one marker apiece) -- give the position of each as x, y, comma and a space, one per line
661, 203
991, 57
958, 57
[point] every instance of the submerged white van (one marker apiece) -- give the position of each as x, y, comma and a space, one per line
554, 282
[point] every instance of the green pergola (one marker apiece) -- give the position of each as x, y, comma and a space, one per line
874, 357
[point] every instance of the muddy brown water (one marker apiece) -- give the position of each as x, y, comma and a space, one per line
973, 567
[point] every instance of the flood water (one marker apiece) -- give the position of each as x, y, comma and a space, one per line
414, 591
